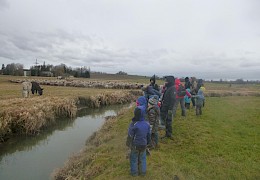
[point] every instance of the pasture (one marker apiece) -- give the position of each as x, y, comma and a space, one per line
223, 143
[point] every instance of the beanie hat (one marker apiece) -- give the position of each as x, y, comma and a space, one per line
153, 101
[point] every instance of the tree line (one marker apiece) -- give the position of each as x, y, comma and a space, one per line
17, 69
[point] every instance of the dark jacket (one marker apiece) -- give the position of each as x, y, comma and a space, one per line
169, 96
153, 84
187, 83
139, 129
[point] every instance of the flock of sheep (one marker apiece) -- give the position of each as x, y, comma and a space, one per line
77, 83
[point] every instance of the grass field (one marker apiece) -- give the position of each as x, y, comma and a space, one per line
223, 143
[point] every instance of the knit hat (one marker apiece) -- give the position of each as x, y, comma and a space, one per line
153, 101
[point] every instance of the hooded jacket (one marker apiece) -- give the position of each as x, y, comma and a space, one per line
141, 101
169, 96
199, 98
139, 129
153, 84
187, 83
177, 85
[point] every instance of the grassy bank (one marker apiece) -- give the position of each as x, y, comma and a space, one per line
223, 143
30, 115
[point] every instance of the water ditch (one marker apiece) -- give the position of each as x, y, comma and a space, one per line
35, 157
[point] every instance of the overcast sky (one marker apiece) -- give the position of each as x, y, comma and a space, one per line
211, 39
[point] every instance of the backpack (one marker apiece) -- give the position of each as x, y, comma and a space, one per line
181, 91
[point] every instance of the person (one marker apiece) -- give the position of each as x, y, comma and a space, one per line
141, 101
151, 89
187, 99
193, 90
153, 115
199, 102
187, 83
203, 90
180, 97
153, 84
168, 101
138, 138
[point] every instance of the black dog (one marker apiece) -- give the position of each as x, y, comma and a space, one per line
36, 88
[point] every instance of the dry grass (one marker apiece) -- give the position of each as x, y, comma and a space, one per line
28, 116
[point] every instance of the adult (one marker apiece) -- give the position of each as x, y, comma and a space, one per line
187, 83
167, 105
152, 89
153, 84
193, 90
180, 97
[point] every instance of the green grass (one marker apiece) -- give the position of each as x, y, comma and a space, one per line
223, 143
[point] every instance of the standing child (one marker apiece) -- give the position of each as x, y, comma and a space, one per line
187, 99
139, 136
199, 102
203, 90
153, 114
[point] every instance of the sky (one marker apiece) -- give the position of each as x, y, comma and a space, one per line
216, 39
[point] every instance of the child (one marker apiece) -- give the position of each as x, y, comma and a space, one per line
203, 90
199, 102
187, 99
138, 138
153, 114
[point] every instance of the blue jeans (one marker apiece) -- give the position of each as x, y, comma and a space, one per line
138, 161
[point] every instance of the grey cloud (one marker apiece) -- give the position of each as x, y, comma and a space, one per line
3, 4
247, 64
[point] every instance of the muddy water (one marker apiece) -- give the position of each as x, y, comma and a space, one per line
36, 157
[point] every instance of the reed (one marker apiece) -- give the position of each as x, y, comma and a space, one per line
30, 115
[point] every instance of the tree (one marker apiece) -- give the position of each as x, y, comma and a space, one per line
121, 73
13, 69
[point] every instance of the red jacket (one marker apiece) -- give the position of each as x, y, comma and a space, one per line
177, 83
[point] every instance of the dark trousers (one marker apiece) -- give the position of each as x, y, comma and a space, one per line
198, 110
193, 101
168, 123
187, 105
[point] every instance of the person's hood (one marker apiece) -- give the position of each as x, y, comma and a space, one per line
177, 81
187, 79
141, 101
188, 89
143, 112
169, 80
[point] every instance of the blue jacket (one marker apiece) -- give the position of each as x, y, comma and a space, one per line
139, 130
142, 101
200, 98
186, 98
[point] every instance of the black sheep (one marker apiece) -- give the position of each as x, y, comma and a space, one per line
36, 88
